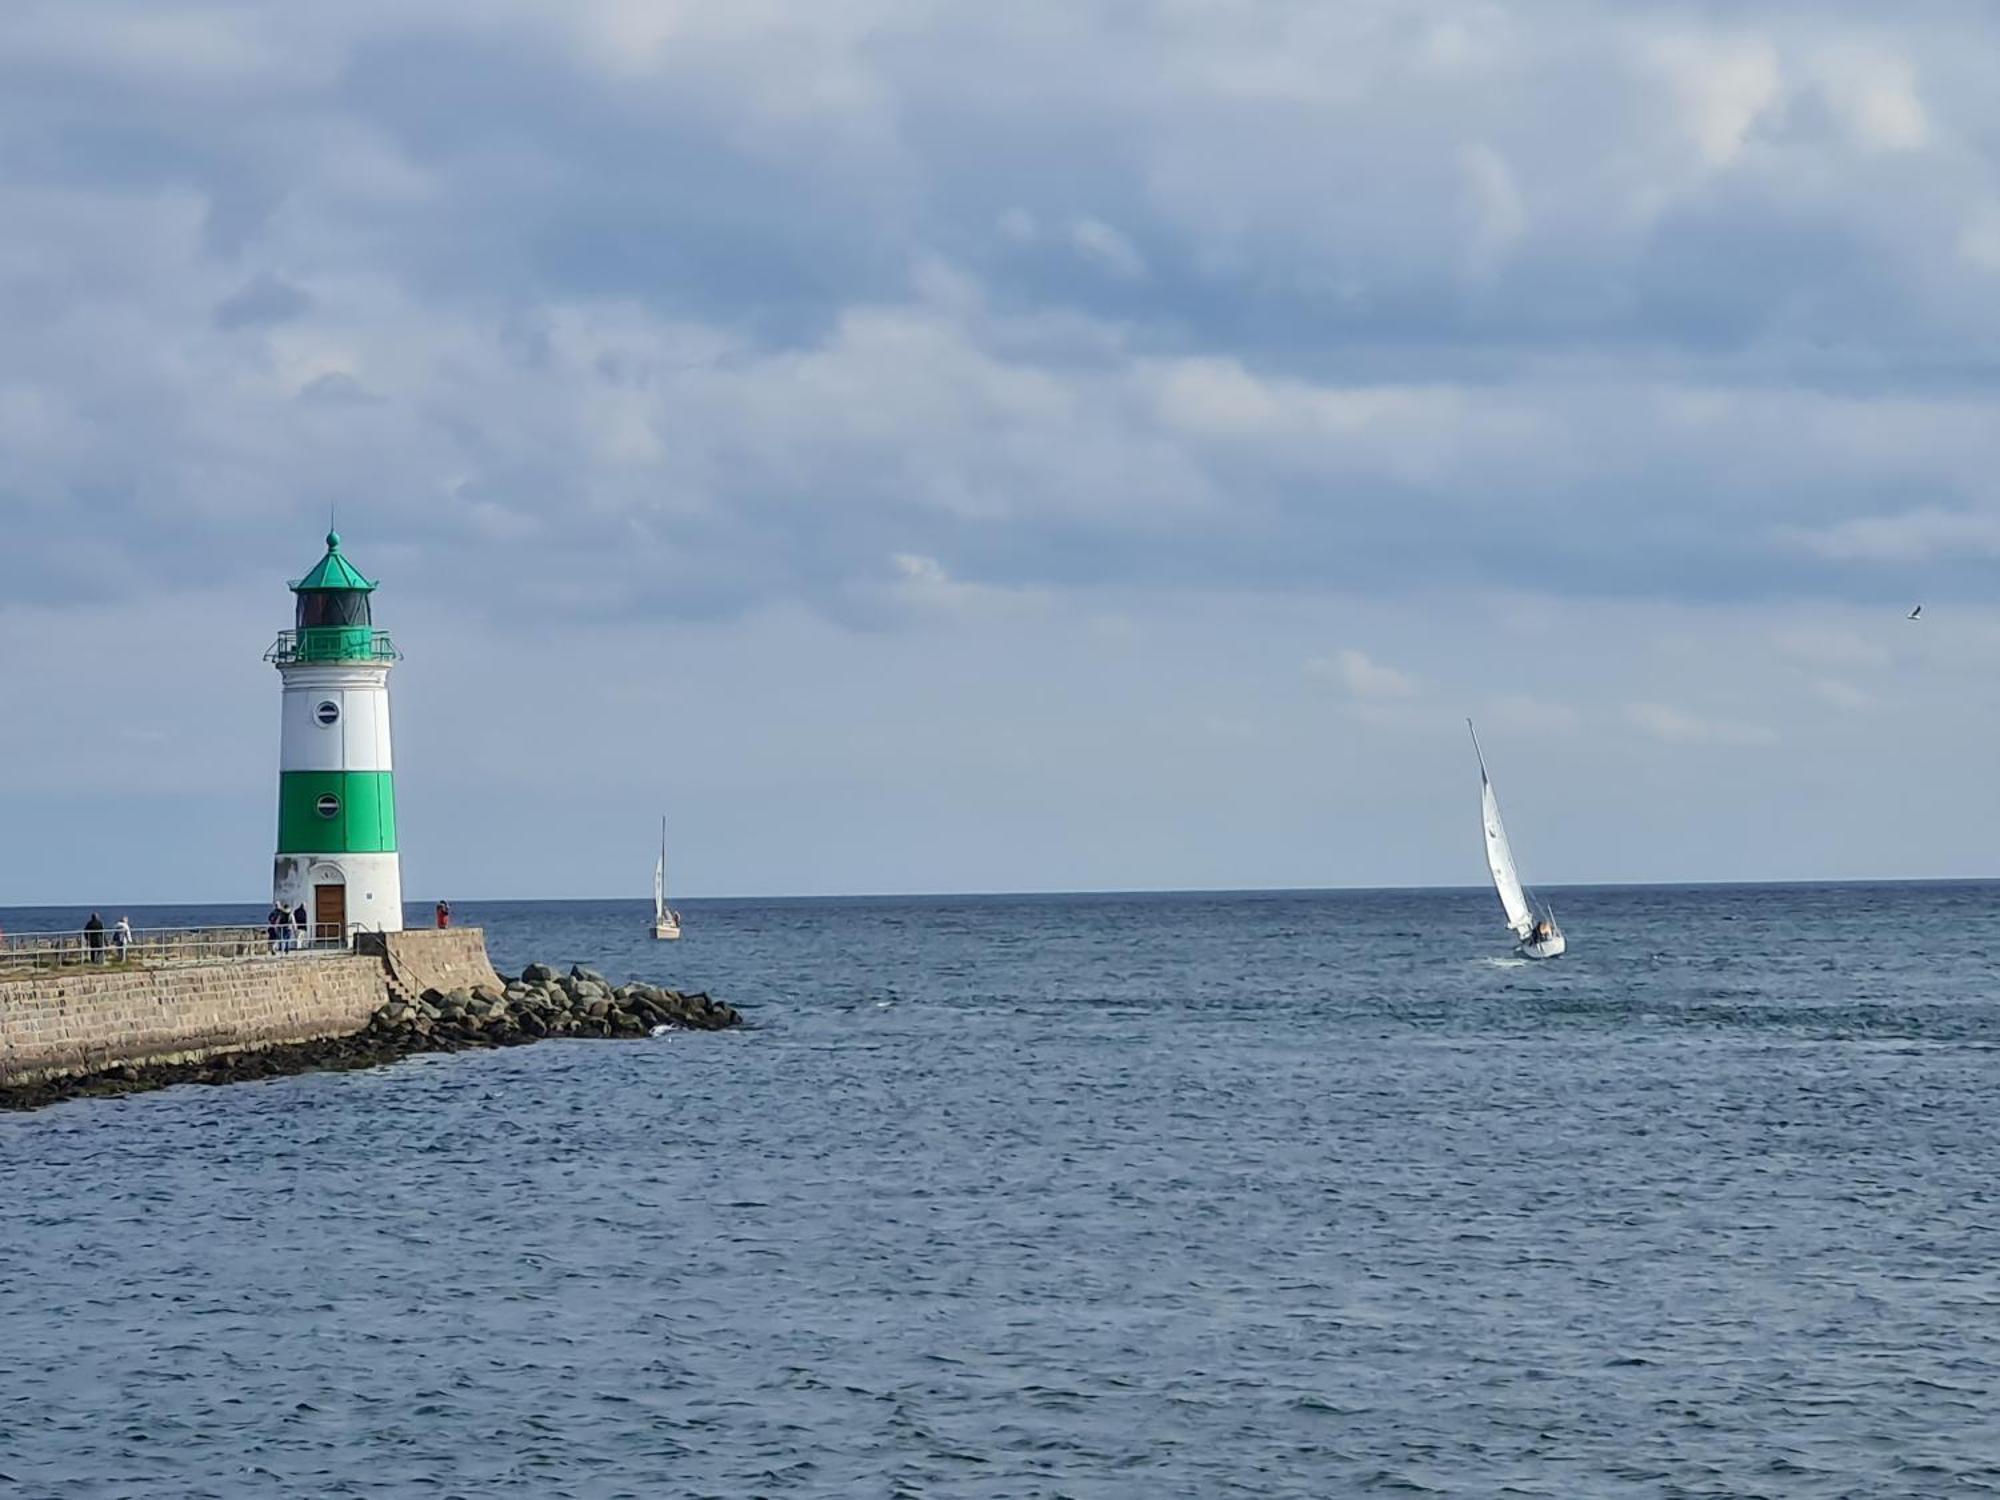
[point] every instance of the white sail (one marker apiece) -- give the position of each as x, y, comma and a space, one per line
1499, 856
1500, 860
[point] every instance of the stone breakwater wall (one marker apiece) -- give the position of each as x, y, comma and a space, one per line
74, 1021
111, 1030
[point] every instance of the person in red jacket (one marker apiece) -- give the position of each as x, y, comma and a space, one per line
444, 913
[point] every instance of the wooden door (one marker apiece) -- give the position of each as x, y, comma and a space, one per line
329, 914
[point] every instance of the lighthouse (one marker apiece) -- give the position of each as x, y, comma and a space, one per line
336, 786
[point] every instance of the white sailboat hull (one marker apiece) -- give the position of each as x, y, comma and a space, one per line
1551, 947
667, 929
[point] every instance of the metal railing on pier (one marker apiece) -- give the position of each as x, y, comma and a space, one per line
157, 947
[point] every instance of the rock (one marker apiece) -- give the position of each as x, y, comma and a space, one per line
578, 971
537, 974
597, 1009
486, 994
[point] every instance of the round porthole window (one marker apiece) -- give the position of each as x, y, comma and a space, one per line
328, 712
329, 806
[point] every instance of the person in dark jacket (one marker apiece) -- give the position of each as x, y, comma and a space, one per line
306, 933
93, 938
271, 926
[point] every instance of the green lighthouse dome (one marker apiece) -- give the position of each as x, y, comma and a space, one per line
333, 618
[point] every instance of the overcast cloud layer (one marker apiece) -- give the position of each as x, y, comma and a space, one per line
924, 446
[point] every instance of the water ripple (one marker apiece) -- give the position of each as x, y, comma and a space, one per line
1283, 1195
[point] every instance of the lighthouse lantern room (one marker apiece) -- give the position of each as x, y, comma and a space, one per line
336, 786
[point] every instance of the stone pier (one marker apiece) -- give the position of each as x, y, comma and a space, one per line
83, 1020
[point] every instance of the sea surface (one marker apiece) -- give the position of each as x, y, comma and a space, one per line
1310, 1194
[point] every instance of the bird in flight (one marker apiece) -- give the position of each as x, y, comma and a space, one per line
1917, 611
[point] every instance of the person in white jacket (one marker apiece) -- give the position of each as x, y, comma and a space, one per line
121, 937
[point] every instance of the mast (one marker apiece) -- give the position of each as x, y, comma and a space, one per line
660, 876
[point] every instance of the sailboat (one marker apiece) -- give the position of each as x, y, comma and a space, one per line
666, 921
1537, 936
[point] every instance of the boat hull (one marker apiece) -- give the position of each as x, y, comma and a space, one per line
1553, 947
667, 931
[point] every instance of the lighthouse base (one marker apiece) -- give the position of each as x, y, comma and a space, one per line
342, 893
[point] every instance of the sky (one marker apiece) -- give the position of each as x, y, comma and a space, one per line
1071, 444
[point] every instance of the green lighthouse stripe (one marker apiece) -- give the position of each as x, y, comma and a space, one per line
361, 818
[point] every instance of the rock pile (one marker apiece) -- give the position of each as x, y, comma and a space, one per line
543, 1003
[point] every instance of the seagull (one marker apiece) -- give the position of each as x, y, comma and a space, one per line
1917, 611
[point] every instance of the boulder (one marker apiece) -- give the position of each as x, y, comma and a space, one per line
537, 974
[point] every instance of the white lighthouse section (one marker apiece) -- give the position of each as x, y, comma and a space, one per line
353, 735
335, 722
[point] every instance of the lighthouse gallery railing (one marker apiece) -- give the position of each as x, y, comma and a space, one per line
333, 643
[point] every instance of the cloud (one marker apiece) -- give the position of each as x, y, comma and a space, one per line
1498, 215
1831, 646
263, 300
1675, 727
1908, 536
1725, 85
1844, 695
920, 587
1525, 713
1101, 243
1583, 301
1362, 677
1875, 93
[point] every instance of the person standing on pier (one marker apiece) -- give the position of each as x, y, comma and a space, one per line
121, 937
304, 924
444, 913
93, 938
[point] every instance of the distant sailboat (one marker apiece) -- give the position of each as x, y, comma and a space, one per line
1538, 937
666, 921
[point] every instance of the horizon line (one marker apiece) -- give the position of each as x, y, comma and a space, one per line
1102, 892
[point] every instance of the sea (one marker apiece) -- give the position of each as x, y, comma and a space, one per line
1263, 1194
